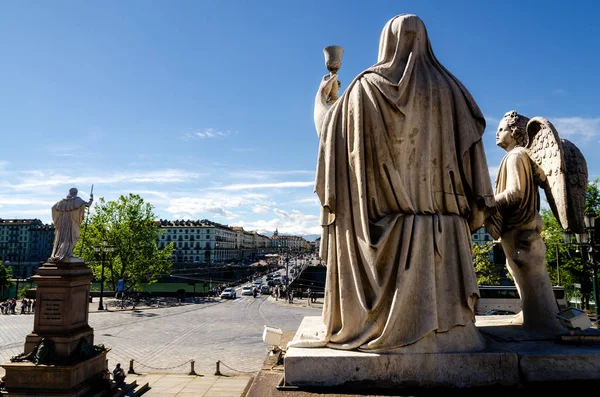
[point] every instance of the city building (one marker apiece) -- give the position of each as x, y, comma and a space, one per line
25, 244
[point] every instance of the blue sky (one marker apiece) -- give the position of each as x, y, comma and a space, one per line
205, 108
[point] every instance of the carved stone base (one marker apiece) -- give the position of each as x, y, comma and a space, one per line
83, 379
65, 343
509, 360
61, 316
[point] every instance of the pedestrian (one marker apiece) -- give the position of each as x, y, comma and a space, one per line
119, 375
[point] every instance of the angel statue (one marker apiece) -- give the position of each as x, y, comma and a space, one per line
535, 157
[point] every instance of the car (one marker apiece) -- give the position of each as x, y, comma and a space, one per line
265, 289
498, 312
228, 293
247, 290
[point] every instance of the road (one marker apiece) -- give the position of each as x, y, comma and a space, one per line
164, 340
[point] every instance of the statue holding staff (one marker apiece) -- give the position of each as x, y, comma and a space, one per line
67, 214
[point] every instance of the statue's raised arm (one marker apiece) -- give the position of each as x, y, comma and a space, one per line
562, 172
328, 91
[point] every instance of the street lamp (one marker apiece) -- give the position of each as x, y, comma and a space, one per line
586, 240
104, 248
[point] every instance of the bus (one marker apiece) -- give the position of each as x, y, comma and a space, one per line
506, 298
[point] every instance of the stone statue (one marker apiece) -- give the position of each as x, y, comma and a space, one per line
403, 180
67, 215
535, 156
43, 353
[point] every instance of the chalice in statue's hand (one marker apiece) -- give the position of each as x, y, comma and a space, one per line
333, 62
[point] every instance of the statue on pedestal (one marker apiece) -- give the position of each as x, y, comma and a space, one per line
535, 156
67, 215
403, 180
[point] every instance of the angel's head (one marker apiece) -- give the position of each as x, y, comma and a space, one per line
512, 131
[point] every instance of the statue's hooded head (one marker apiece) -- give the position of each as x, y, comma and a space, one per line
402, 38
73, 192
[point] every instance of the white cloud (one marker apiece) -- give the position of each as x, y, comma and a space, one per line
493, 172
38, 179
263, 174
206, 134
308, 200
585, 127
276, 185
218, 204
261, 209
287, 222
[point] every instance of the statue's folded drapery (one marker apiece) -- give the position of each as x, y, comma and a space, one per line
67, 215
403, 180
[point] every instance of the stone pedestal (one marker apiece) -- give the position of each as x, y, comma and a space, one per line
61, 315
509, 360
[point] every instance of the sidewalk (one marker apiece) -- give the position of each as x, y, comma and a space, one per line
171, 385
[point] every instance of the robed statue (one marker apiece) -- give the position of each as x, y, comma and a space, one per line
68, 215
535, 157
403, 180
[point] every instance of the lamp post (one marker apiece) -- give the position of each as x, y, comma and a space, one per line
104, 248
586, 240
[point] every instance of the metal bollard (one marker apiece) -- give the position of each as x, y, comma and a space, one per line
131, 371
192, 372
218, 372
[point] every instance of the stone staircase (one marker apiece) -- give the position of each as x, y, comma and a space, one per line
129, 390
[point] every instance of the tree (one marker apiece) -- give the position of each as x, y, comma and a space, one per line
565, 264
128, 225
5, 278
487, 272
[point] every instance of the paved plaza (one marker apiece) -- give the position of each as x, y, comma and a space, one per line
162, 341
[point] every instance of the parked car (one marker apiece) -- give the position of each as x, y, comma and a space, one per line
247, 290
498, 312
228, 293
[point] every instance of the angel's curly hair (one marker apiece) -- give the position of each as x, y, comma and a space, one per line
518, 125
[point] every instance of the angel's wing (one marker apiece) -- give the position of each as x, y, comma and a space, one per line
577, 181
562, 172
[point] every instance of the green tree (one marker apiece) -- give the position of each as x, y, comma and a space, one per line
565, 263
128, 226
5, 278
487, 272
592, 197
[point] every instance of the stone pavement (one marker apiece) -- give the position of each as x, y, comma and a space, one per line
171, 385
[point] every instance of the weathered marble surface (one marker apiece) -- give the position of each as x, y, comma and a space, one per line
535, 157
510, 358
67, 215
403, 180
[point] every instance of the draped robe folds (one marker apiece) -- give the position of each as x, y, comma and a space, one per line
67, 216
403, 180
517, 194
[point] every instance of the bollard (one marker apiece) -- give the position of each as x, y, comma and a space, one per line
218, 372
131, 371
192, 372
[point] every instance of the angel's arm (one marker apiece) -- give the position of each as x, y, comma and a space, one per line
517, 165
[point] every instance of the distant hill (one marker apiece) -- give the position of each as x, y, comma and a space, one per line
311, 237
